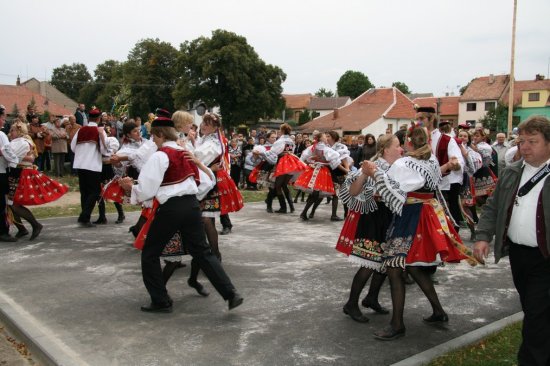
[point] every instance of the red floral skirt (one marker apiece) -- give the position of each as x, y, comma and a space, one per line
289, 164
316, 179
230, 197
29, 187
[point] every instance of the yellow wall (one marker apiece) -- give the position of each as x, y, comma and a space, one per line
525, 103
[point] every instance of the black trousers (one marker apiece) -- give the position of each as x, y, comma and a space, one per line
4, 188
183, 214
89, 183
452, 196
531, 274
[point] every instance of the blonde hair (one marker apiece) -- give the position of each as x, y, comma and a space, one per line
20, 127
383, 143
182, 119
418, 137
169, 133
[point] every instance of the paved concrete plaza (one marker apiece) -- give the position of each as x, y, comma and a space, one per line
76, 293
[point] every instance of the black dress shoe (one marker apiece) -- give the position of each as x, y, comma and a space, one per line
303, 217
442, 318
36, 231
101, 221
312, 215
225, 231
21, 233
355, 314
8, 238
281, 210
87, 224
199, 287
335, 218
374, 305
120, 219
235, 301
157, 308
269, 209
389, 334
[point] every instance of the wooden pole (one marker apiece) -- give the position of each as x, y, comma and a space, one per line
511, 85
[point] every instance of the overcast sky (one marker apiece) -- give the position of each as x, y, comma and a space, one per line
432, 46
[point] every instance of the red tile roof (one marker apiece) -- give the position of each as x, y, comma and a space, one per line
486, 88
11, 94
364, 110
448, 106
525, 85
327, 103
297, 101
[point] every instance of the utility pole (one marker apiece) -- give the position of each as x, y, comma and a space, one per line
511, 84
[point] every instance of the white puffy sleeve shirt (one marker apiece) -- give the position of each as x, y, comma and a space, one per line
208, 149
15, 151
152, 174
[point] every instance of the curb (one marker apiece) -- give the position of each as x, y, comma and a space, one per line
44, 346
425, 357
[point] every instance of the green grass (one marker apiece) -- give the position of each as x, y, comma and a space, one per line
71, 181
498, 349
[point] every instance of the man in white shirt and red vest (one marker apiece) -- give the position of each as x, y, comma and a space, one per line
517, 215
446, 148
4, 227
88, 145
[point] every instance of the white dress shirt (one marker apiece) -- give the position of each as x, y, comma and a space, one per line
4, 141
523, 223
453, 150
152, 174
87, 155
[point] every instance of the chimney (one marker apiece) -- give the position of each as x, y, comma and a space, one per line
18, 82
335, 113
539, 77
491, 78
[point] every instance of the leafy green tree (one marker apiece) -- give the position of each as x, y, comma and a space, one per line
14, 110
353, 84
324, 93
305, 116
402, 87
496, 119
226, 71
106, 85
150, 73
69, 79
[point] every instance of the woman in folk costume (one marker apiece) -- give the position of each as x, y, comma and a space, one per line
27, 186
287, 166
210, 149
365, 229
472, 163
172, 177
420, 235
485, 180
317, 179
107, 176
338, 174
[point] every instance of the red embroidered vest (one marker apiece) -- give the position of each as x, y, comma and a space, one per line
179, 168
88, 134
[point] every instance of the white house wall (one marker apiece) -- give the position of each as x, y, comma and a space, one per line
464, 115
379, 126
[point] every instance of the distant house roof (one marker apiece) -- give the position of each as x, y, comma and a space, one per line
364, 110
448, 106
22, 96
413, 96
297, 101
526, 85
490, 87
49, 91
327, 103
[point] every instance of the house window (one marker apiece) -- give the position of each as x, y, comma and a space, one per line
534, 97
490, 106
389, 130
471, 107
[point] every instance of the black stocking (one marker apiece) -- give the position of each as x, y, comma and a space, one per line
422, 278
25, 213
375, 286
212, 235
334, 205
359, 281
397, 286
311, 199
195, 269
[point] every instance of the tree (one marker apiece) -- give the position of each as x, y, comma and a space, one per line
496, 119
324, 93
106, 85
305, 116
225, 71
150, 73
402, 87
353, 84
15, 110
70, 79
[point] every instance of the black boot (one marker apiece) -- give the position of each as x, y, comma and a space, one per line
282, 203
120, 211
289, 199
25, 213
101, 208
269, 200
